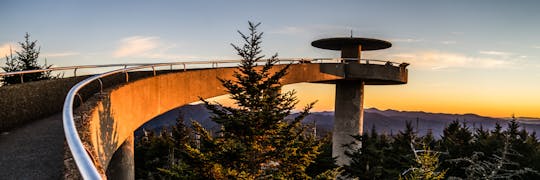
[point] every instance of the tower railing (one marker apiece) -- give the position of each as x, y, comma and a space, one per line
82, 158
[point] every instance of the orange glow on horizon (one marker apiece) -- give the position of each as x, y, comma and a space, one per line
408, 99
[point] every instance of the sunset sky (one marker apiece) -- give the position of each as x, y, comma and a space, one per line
479, 57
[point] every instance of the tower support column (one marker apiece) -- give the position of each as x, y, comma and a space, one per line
122, 165
348, 117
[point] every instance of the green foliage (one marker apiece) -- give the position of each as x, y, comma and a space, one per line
368, 162
427, 165
324, 165
456, 141
255, 141
460, 153
161, 155
508, 154
26, 59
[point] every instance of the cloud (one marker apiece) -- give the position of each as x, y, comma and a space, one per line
448, 42
407, 40
495, 53
136, 46
289, 30
61, 54
443, 60
536, 47
319, 30
6, 48
148, 47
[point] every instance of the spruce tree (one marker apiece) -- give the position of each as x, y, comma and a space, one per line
26, 59
160, 155
255, 140
368, 161
324, 163
427, 166
402, 157
457, 142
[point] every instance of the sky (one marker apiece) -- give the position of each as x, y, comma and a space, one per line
479, 57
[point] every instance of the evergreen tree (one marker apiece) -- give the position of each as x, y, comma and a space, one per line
524, 149
161, 155
456, 142
368, 162
427, 165
26, 59
255, 140
324, 163
429, 140
499, 165
402, 157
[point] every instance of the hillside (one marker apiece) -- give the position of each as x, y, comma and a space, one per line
385, 121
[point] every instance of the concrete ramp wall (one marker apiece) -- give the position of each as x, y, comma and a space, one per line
109, 119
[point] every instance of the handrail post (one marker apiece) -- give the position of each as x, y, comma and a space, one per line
154, 70
75, 72
22, 78
184, 66
100, 85
80, 99
127, 76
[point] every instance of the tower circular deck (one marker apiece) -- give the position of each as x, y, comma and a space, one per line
367, 44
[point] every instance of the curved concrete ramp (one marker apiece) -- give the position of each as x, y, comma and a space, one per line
33, 151
111, 118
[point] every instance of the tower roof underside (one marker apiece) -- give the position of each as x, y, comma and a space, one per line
338, 43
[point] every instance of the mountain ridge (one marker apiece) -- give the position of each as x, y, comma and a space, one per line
384, 121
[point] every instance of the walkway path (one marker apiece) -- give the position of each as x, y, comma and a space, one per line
34, 151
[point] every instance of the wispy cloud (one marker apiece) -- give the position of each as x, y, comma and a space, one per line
443, 60
448, 42
289, 30
149, 47
536, 47
6, 48
136, 46
407, 40
495, 53
320, 30
60, 54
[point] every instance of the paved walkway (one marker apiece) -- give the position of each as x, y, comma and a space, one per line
34, 151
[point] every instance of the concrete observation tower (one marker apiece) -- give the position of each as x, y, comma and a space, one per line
356, 72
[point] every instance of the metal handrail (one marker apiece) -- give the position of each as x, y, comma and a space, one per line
130, 64
83, 160
75, 68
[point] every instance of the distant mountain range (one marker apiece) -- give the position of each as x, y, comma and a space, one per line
387, 121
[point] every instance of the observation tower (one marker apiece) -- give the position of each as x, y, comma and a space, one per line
356, 72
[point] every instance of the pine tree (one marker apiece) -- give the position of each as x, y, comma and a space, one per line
26, 59
324, 163
456, 141
499, 165
427, 165
161, 155
369, 162
524, 149
255, 140
402, 157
